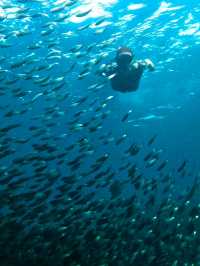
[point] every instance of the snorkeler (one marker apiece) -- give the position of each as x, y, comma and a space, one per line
124, 74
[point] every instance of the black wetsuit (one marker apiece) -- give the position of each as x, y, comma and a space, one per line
125, 80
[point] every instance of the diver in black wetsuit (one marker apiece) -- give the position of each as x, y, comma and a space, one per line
124, 74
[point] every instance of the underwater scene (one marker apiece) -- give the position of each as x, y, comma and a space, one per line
99, 133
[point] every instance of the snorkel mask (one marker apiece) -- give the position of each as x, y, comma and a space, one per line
124, 56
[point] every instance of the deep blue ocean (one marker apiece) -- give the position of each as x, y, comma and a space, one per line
166, 32
58, 116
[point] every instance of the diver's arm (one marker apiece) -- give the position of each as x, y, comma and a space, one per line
149, 64
104, 70
146, 64
107, 70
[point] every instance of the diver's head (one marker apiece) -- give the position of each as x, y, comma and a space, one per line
124, 56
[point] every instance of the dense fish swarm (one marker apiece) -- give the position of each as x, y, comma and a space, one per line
75, 189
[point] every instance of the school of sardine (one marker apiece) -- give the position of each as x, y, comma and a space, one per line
76, 187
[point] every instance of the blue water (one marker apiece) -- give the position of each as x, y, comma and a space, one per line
166, 103
166, 32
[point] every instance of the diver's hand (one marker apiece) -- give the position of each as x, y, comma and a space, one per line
107, 70
150, 65
102, 70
